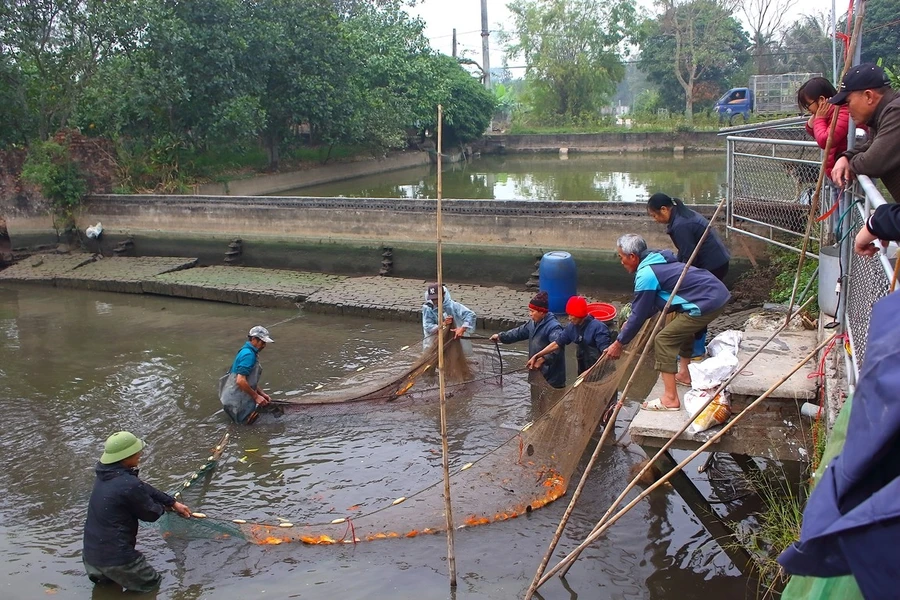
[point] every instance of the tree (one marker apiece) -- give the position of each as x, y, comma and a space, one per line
881, 32
765, 18
807, 46
697, 41
571, 48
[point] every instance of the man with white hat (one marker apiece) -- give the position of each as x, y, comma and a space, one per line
118, 501
239, 389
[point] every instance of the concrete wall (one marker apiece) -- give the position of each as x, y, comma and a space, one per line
602, 142
319, 174
484, 241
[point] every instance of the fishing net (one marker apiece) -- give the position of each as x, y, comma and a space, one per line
530, 469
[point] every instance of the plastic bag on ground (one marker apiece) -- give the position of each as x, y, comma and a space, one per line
727, 341
717, 413
711, 372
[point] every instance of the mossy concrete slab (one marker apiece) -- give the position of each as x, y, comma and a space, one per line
121, 274
44, 268
241, 285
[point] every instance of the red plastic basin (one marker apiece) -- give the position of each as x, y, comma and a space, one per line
602, 311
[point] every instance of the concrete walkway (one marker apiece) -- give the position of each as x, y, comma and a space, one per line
390, 298
775, 429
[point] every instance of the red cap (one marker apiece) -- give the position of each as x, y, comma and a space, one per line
577, 307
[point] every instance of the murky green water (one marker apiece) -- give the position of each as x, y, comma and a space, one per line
76, 366
697, 178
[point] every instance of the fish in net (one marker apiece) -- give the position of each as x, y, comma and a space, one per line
409, 374
527, 471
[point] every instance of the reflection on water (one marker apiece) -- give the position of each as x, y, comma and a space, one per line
77, 366
622, 178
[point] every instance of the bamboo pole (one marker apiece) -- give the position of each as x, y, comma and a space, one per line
445, 448
612, 420
602, 527
814, 204
675, 436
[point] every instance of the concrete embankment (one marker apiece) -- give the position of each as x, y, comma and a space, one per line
339, 171
612, 142
485, 241
388, 298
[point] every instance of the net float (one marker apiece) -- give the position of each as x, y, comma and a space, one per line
199, 515
338, 521
398, 500
239, 521
285, 524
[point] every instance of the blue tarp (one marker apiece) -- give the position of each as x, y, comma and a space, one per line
851, 524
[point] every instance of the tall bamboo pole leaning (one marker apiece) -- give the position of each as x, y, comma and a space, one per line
445, 449
600, 529
678, 433
814, 204
612, 420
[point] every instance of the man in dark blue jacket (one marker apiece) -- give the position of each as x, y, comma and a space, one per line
540, 330
590, 336
700, 299
118, 501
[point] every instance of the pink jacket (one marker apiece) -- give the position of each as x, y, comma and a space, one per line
820, 128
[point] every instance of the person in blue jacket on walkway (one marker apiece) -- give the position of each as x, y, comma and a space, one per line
700, 299
540, 330
685, 227
590, 336
455, 313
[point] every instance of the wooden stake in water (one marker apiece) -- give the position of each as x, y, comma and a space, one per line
445, 448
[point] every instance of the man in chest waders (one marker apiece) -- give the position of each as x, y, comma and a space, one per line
239, 389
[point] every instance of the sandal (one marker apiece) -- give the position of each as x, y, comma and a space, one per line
684, 383
656, 404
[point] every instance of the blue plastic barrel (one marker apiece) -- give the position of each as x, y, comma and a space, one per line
557, 277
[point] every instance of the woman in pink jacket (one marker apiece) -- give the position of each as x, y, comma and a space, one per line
812, 98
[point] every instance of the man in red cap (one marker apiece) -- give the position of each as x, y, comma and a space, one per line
540, 330
590, 336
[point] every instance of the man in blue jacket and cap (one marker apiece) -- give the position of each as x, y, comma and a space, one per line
239, 390
455, 313
118, 501
700, 299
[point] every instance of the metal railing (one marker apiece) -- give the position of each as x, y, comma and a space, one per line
772, 170
864, 280
772, 174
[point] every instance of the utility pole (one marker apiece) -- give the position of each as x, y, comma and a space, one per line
454, 42
485, 45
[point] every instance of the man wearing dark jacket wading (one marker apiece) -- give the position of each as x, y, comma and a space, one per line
700, 299
541, 329
118, 501
866, 91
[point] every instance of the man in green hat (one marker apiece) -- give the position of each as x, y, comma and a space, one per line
118, 501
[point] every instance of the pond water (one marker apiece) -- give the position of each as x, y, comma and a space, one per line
77, 366
696, 178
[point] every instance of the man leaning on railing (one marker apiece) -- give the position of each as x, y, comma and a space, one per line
866, 91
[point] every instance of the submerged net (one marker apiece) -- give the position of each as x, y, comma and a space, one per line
527, 471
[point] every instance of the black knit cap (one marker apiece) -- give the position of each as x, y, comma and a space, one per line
540, 302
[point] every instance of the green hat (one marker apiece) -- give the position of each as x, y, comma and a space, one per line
120, 446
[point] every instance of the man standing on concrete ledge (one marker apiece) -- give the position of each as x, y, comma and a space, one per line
239, 389
866, 91
700, 299
118, 501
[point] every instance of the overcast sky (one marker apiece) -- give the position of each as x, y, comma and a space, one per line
441, 16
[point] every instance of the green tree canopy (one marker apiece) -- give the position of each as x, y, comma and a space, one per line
571, 48
881, 32
693, 50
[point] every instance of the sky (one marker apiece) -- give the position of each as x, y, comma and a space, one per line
441, 16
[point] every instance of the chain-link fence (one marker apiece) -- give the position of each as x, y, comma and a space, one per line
864, 280
772, 176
